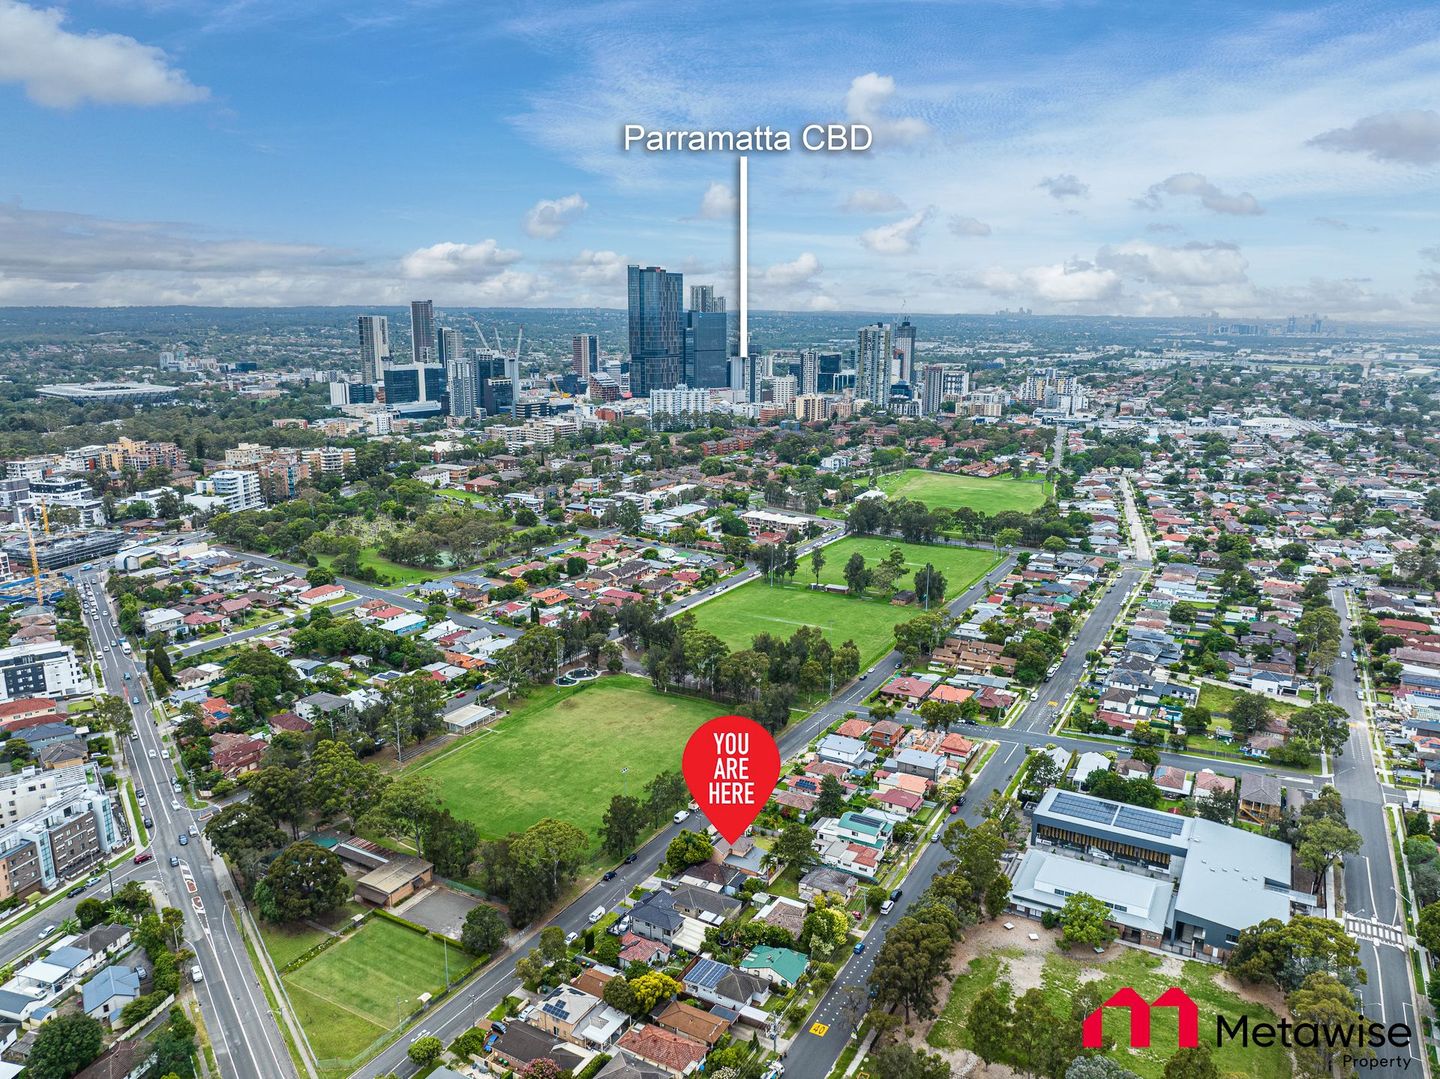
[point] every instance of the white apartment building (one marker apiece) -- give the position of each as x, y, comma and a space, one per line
41, 669
238, 489
812, 406
680, 401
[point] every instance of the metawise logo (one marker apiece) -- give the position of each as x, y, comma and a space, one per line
1351, 1044
1139, 1008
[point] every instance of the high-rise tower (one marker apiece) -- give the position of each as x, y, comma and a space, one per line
657, 339
374, 347
422, 331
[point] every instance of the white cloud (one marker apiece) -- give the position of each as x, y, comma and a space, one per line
1210, 196
597, 268
718, 203
1188, 264
1408, 136
961, 225
1065, 186
1071, 282
897, 238
458, 261
787, 275
62, 69
865, 103
548, 217
870, 200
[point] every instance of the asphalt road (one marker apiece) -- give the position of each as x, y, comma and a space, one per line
1372, 905
247, 1042
451, 1017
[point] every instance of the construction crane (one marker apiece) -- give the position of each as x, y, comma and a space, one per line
34, 561
483, 343
45, 517
519, 338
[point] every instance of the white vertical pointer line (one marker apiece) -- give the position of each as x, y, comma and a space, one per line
744, 256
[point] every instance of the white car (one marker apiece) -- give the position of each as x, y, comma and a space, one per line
174, 805
681, 816
152, 753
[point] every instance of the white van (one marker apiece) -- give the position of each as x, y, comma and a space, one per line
682, 816
196, 974
597, 914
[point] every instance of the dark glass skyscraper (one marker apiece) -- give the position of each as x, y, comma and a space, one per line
422, 331
706, 366
657, 339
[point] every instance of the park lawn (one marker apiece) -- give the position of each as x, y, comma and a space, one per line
1220, 700
357, 991
561, 752
287, 942
738, 615
942, 490
391, 573
1141, 971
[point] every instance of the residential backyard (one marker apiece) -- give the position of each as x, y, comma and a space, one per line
991, 953
358, 991
564, 752
943, 490
736, 616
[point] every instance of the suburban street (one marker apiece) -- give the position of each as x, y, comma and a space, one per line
1369, 878
246, 1039
1372, 905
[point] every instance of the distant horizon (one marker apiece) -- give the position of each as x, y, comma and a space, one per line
871, 313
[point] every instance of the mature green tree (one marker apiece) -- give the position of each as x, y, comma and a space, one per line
279, 794
64, 1045
1328, 1004
90, 912
826, 933
414, 707
112, 713
425, 1050
991, 1022
1084, 920
622, 824
450, 842
1427, 928
1283, 953
1097, 1067
484, 930
793, 846
929, 586
1191, 1063
663, 795
898, 1060
306, 881
339, 785
174, 1045
817, 563
1323, 842
831, 800
912, 958
857, 576
546, 856
245, 836
407, 808
1249, 713
687, 849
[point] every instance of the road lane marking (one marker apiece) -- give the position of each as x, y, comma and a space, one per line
819, 1029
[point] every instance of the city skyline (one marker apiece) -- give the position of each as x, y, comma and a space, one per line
1065, 160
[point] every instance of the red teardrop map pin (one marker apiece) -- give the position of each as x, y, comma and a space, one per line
731, 765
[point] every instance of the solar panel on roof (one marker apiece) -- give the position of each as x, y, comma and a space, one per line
1149, 822
707, 971
1091, 809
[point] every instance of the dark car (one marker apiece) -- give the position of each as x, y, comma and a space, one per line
184, 839
79, 889
631, 858
609, 876
895, 895
148, 822
174, 861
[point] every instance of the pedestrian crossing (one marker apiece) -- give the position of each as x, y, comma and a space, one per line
1375, 932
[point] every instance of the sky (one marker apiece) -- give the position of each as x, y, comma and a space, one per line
1088, 157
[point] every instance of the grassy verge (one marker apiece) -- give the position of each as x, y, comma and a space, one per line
142, 835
